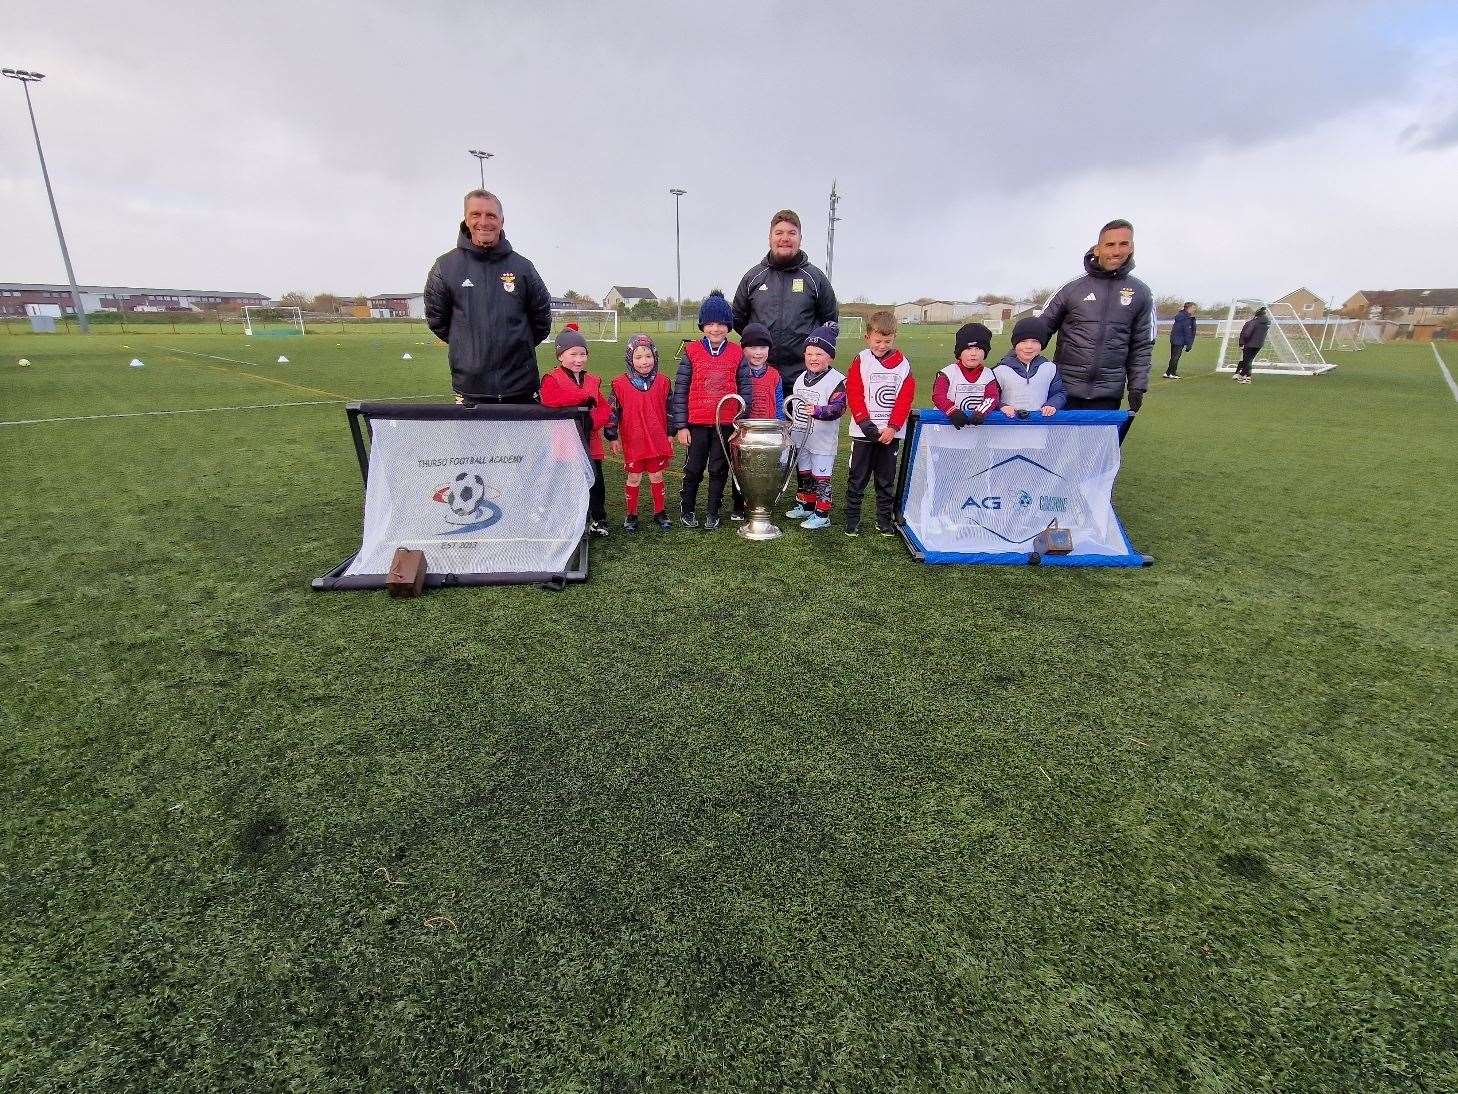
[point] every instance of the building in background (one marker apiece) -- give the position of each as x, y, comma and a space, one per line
397, 305
1305, 303
926, 310
1406, 313
14, 296
626, 296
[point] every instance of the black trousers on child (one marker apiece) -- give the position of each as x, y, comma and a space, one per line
704, 451
597, 496
871, 459
1173, 367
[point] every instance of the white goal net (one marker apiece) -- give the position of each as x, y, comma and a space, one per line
272, 322
1342, 334
595, 325
1289, 349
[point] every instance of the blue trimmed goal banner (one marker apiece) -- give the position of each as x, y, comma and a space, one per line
982, 493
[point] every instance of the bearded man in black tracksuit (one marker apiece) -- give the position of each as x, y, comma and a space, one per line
788, 295
491, 307
1105, 323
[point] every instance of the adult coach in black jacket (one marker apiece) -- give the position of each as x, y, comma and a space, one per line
1105, 326
491, 307
788, 295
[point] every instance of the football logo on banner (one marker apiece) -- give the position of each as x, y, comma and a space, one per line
471, 510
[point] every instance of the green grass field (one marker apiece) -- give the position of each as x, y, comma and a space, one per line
801, 816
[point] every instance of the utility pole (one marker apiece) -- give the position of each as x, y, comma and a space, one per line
830, 233
677, 257
26, 79
481, 158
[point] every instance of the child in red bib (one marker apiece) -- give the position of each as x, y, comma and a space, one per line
639, 427
570, 384
710, 368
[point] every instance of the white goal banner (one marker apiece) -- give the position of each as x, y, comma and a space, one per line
477, 497
981, 494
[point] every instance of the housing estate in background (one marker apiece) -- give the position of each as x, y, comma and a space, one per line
626, 296
397, 305
1406, 313
56, 299
1305, 303
926, 310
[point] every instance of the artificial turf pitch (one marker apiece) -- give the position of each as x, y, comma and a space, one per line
730, 816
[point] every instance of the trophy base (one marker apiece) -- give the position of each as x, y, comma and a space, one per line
759, 528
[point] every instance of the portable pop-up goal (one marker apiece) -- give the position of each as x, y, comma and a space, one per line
493, 495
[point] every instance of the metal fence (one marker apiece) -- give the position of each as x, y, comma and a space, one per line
201, 323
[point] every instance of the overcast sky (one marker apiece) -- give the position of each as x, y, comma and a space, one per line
276, 146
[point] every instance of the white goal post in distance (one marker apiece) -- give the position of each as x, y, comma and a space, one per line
263, 322
1289, 350
852, 324
596, 325
1342, 334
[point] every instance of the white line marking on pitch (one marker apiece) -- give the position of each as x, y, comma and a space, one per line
1446, 374
209, 410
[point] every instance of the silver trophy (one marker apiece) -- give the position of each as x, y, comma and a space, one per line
759, 453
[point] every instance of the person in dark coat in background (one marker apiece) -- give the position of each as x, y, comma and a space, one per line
1252, 338
1181, 339
491, 307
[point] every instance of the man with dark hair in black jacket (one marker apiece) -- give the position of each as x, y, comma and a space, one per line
491, 307
788, 295
1105, 322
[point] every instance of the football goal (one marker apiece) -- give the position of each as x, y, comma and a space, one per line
1342, 334
1288, 350
852, 324
272, 322
595, 325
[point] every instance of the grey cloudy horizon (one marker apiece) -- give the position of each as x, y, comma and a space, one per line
978, 147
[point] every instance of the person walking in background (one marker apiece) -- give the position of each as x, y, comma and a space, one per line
1181, 339
1252, 338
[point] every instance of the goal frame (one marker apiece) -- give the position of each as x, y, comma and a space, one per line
568, 315
1348, 331
1288, 361
297, 320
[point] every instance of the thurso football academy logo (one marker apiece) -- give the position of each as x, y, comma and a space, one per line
470, 510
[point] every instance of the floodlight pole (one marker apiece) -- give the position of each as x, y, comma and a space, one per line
677, 254
26, 79
481, 158
830, 234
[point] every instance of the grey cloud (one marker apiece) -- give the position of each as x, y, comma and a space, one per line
1433, 138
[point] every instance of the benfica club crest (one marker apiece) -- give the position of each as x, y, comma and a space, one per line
508, 282
1126, 297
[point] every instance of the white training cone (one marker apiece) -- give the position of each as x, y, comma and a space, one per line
136, 364
406, 357
282, 359
24, 363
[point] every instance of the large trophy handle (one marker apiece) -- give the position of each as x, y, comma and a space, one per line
743, 406
792, 453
